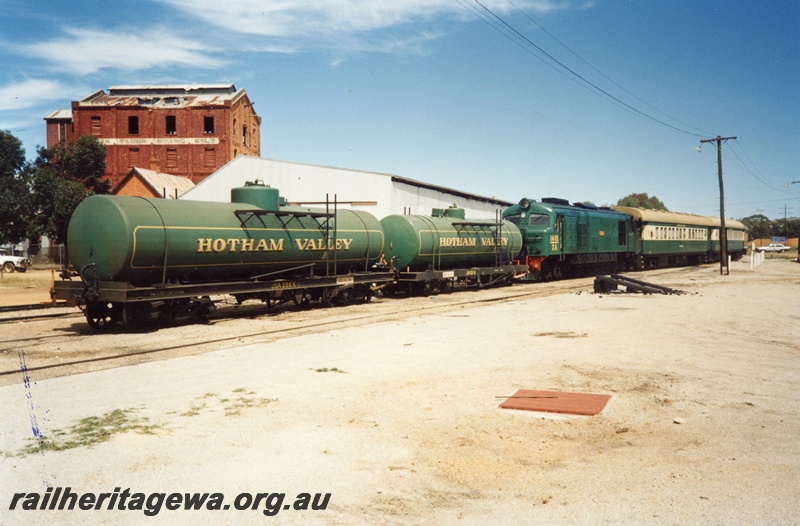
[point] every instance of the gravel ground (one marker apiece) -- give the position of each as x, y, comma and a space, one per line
396, 416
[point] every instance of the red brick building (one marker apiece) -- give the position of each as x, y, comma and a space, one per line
188, 131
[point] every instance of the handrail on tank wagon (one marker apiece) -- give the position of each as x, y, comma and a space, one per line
245, 215
496, 231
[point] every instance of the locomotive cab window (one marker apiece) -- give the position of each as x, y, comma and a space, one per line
514, 219
539, 220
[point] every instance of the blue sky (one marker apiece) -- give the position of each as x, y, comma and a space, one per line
588, 100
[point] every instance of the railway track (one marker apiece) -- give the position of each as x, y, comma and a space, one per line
166, 342
64, 344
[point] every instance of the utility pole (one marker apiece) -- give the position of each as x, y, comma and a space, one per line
798, 236
723, 233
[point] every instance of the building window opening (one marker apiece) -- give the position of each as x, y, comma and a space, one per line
244, 135
172, 127
97, 127
133, 157
172, 157
209, 157
208, 124
133, 125
62, 132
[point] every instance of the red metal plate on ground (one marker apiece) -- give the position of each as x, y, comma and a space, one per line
557, 402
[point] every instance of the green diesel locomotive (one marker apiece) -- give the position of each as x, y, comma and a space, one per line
567, 240
564, 240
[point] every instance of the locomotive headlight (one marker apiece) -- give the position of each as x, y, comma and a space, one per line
524, 204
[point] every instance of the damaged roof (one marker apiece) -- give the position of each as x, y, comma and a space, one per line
169, 95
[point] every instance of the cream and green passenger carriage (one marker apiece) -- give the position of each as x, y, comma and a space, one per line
673, 238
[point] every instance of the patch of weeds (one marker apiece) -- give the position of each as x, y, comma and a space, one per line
92, 430
231, 406
562, 334
194, 410
235, 407
331, 370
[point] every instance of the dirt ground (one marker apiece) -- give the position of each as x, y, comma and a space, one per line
26, 288
397, 418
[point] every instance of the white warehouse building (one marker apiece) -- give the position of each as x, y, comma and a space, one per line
377, 193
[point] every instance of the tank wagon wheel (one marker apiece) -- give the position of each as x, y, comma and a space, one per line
136, 314
101, 315
8, 267
301, 298
327, 297
344, 297
363, 294
389, 291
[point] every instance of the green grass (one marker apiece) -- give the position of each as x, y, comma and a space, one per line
92, 430
97, 429
230, 405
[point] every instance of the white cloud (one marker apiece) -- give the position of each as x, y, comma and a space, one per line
85, 51
29, 94
343, 23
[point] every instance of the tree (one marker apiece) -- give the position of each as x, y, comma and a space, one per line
642, 201
63, 176
758, 225
15, 196
83, 161
54, 200
12, 155
786, 227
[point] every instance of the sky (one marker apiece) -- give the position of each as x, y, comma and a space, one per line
586, 100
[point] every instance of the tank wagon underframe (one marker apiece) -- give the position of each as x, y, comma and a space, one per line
108, 302
433, 281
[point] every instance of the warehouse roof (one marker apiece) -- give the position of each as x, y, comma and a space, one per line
161, 184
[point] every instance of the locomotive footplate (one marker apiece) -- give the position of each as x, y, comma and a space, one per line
109, 291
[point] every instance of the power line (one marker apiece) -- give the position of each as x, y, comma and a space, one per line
509, 31
612, 81
741, 164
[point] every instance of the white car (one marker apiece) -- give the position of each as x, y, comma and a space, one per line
10, 263
773, 247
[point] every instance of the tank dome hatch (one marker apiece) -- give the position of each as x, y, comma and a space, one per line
258, 194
